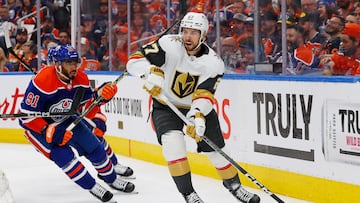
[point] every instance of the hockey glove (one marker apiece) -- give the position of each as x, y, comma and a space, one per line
197, 130
155, 81
57, 135
100, 128
107, 91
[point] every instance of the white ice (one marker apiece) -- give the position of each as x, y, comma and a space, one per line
34, 179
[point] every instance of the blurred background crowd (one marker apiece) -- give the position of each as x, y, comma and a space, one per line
321, 36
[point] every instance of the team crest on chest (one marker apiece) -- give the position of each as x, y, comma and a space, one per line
63, 105
184, 84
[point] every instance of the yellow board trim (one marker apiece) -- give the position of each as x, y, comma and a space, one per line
278, 181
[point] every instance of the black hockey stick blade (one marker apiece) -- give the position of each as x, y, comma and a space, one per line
74, 107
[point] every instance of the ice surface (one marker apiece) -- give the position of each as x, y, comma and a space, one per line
34, 179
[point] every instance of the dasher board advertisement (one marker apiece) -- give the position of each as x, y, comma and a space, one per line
341, 137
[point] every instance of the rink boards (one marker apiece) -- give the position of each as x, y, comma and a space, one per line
299, 136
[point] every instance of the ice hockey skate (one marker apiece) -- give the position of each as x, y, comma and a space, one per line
124, 171
243, 195
193, 198
101, 193
122, 185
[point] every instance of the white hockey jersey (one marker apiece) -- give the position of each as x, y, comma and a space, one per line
185, 76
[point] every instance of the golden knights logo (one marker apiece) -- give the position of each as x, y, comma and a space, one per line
184, 84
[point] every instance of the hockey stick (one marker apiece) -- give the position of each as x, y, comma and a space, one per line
221, 152
74, 106
98, 100
11, 50
93, 104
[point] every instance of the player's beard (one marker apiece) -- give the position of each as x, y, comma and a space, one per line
71, 74
190, 46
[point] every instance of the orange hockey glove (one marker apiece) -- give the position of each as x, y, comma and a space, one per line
57, 135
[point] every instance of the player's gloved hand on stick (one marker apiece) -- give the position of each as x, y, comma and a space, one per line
57, 135
155, 81
196, 130
107, 91
100, 128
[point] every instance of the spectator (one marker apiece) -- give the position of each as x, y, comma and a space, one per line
20, 39
237, 25
271, 36
334, 27
325, 13
4, 13
120, 12
88, 23
4, 17
301, 59
351, 18
249, 25
88, 31
346, 62
266, 6
230, 53
309, 6
313, 37
101, 17
64, 37
238, 6
138, 7
345, 7
13, 6
121, 47
103, 52
4, 64
158, 23
46, 39
48, 27
140, 24
247, 50
60, 11
85, 50
29, 50
88, 59
27, 8
225, 31
357, 12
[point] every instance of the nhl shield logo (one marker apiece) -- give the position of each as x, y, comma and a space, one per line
184, 84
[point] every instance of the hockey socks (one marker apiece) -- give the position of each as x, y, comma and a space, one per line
102, 164
119, 169
72, 167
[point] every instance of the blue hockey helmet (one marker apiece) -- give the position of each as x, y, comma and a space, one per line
65, 53
50, 55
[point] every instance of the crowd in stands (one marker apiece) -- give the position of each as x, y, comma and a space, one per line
322, 36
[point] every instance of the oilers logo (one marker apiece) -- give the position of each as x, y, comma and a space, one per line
63, 105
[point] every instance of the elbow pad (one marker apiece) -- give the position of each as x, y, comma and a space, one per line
203, 105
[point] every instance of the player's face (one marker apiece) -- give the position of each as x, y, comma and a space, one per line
69, 68
191, 38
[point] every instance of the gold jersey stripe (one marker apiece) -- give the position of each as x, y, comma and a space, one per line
201, 93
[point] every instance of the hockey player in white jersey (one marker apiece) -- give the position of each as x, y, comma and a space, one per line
184, 69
